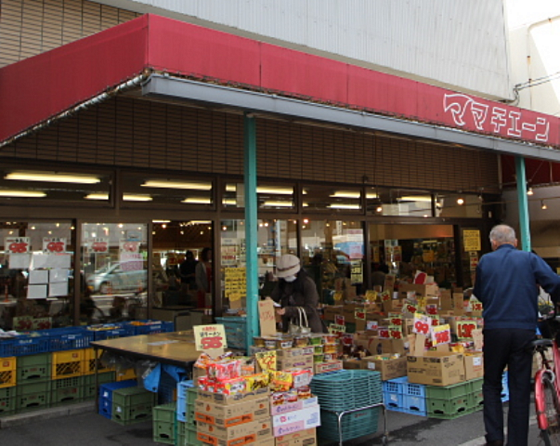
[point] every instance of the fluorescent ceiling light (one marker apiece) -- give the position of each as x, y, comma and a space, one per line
161, 221
97, 197
286, 204
165, 184
126, 197
345, 194
22, 193
275, 190
52, 177
231, 201
231, 187
199, 222
344, 206
197, 200
305, 205
370, 195
423, 198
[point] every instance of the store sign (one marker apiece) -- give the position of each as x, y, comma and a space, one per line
17, 245
54, 245
471, 240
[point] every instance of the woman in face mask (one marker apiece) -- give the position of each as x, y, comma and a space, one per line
296, 289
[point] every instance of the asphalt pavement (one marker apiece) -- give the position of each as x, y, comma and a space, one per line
79, 424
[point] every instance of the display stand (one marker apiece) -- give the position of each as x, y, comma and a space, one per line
340, 414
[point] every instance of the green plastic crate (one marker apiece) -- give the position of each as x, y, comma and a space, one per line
452, 416
7, 401
185, 435
191, 437
476, 399
89, 383
448, 407
33, 387
126, 415
33, 368
448, 392
164, 418
32, 401
67, 395
192, 395
165, 412
476, 384
132, 396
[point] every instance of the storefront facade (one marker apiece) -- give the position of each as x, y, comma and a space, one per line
138, 155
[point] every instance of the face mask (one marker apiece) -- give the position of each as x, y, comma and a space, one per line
290, 278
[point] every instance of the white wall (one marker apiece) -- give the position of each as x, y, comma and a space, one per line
456, 44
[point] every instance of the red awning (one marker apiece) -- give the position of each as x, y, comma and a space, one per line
36, 89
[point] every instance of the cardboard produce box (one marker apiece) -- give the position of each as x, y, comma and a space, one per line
307, 437
220, 398
436, 368
293, 352
227, 415
251, 432
280, 409
330, 311
325, 367
302, 361
474, 365
430, 289
389, 368
296, 421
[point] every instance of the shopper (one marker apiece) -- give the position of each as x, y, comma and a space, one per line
204, 276
506, 284
187, 272
296, 289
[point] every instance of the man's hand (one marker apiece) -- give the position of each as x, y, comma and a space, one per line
280, 311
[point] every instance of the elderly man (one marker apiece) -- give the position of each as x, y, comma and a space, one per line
507, 282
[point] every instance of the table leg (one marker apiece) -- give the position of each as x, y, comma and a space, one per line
95, 352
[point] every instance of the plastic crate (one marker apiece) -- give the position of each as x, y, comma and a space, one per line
393, 401
131, 396
414, 405
106, 396
90, 360
163, 417
67, 364
235, 328
476, 399
67, 390
137, 413
33, 396
148, 327
396, 385
448, 392
90, 389
412, 389
125, 375
476, 384
24, 345
68, 338
109, 331
354, 425
34, 368
186, 395
7, 400
452, 407
7, 372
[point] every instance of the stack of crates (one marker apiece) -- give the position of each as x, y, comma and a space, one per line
104, 374
106, 396
8, 374
132, 405
402, 396
449, 402
33, 379
164, 420
185, 431
67, 371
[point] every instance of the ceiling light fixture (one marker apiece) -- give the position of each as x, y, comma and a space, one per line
422, 198
530, 191
344, 206
285, 204
379, 209
345, 194
126, 197
22, 194
197, 200
52, 177
460, 201
543, 205
166, 184
275, 190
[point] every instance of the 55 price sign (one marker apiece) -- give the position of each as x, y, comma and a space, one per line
210, 337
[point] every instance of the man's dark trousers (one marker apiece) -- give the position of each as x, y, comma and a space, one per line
509, 347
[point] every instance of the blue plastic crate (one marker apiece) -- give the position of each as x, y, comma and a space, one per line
101, 333
414, 405
68, 338
106, 395
149, 327
411, 389
393, 401
24, 345
396, 385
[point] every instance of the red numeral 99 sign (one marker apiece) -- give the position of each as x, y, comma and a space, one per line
421, 327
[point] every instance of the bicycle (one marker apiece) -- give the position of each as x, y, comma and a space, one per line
547, 390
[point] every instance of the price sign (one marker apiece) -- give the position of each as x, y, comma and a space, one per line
337, 329
410, 308
383, 332
441, 334
17, 245
372, 325
339, 320
431, 308
395, 332
337, 296
465, 329
54, 245
371, 296
422, 323
396, 321
99, 245
129, 247
210, 338
476, 306
385, 296
360, 314
267, 360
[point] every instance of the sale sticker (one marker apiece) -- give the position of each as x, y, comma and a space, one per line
441, 334
371, 295
395, 332
17, 245
210, 338
422, 324
465, 329
385, 295
54, 245
383, 332
410, 308
476, 306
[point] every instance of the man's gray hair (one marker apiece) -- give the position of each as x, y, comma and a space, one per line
502, 234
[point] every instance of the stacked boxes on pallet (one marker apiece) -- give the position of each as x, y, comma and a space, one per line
185, 432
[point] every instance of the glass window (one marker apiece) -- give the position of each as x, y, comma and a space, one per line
114, 263
459, 205
317, 197
275, 237
396, 202
157, 190
36, 275
333, 255
269, 196
19, 185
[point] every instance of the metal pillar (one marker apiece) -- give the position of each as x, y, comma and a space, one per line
251, 227
524, 229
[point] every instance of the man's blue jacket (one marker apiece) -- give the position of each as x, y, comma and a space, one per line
506, 284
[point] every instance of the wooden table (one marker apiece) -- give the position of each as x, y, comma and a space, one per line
176, 348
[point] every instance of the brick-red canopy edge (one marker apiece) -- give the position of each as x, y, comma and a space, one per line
37, 88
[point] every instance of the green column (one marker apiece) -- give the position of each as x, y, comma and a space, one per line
251, 228
524, 229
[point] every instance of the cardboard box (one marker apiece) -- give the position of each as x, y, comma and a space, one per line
430, 289
389, 368
474, 365
296, 421
330, 311
378, 346
291, 407
219, 398
307, 437
251, 432
227, 415
352, 364
293, 352
325, 367
302, 361
436, 368
445, 300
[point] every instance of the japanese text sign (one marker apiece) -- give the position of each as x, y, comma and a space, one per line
17, 245
441, 334
210, 338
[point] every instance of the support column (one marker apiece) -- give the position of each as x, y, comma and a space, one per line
524, 229
251, 227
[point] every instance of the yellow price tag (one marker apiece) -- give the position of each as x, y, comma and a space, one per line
371, 295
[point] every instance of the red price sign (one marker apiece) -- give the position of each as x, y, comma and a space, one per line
210, 337
431, 309
396, 321
395, 334
360, 314
465, 329
411, 308
339, 320
18, 247
130, 246
422, 324
385, 296
476, 306
99, 246
441, 334
55, 247
383, 332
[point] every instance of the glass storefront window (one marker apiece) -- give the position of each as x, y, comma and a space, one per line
459, 205
317, 197
114, 261
333, 255
269, 196
19, 185
393, 202
275, 237
158, 191
36, 279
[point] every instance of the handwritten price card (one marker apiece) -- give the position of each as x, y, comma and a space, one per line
266, 360
372, 325
54, 245
210, 339
17, 245
235, 285
267, 317
465, 329
385, 296
99, 245
339, 320
337, 329
360, 314
371, 296
422, 324
441, 334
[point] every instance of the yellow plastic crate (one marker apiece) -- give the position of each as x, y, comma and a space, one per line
89, 363
126, 374
8, 368
67, 364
